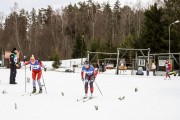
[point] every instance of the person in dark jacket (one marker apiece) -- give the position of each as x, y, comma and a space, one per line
147, 69
13, 65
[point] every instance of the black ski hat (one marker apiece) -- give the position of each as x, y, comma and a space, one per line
86, 62
14, 49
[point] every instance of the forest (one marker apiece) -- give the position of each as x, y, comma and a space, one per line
71, 31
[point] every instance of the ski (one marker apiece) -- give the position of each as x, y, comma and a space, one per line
83, 98
88, 98
28, 94
37, 93
31, 94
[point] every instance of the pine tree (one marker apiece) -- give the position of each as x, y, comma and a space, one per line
152, 31
79, 50
172, 14
56, 60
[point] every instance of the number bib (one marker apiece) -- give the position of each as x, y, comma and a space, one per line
35, 66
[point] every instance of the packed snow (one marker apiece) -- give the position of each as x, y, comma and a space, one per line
125, 96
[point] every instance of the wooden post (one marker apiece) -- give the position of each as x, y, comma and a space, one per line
136, 61
117, 69
88, 55
148, 55
179, 62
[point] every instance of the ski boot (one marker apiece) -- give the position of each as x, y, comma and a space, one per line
85, 96
34, 90
91, 96
40, 90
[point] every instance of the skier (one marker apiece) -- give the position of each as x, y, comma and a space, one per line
13, 65
36, 72
88, 75
167, 68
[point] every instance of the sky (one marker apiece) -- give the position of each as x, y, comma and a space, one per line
7, 5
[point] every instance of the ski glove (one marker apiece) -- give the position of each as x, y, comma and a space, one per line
82, 79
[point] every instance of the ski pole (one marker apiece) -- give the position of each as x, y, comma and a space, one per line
98, 87
44, 83
25, 71
25, 78
83, 83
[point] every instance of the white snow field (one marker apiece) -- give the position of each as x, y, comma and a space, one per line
155, 98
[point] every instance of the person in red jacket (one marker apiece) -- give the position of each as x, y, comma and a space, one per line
36, 72
167, 67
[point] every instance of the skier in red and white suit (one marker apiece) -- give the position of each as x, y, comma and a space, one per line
36, 72
88, 75
168, 68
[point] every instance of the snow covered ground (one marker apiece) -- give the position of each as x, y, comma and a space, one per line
155, 99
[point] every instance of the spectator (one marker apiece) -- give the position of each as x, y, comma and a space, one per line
97, 66
153, 69
13, 65
140, 71
147, 69
167, 67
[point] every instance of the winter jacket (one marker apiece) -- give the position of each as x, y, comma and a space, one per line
153, 66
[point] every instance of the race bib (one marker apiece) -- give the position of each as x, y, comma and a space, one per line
35, 67
15, 59
89, 73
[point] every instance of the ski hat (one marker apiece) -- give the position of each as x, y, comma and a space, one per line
14, 49
32, 58
86, 62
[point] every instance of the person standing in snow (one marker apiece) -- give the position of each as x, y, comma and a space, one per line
88, 75
97, 66
167, 67
147, 69
153, 67
13, 65
36, 72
